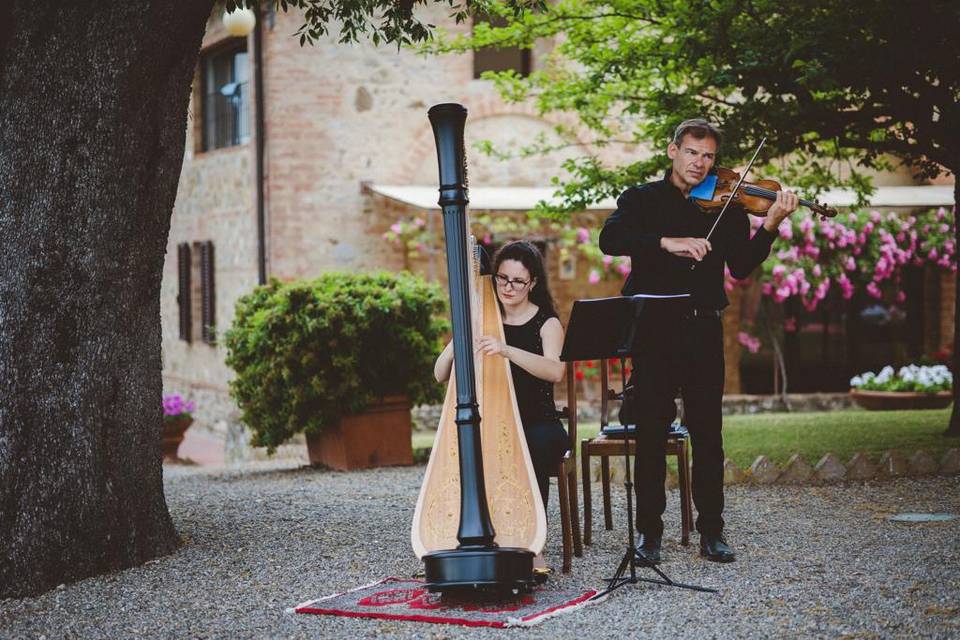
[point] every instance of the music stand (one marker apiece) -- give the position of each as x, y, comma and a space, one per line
605, 328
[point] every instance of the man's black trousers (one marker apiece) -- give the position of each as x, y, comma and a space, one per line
679, 352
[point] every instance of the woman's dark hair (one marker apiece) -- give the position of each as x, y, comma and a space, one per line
527, 254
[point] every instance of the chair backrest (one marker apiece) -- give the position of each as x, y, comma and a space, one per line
569, 412
607, 395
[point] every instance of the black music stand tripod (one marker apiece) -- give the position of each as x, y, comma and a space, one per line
605, 328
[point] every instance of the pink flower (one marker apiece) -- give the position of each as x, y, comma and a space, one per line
607, 261
752, 344
419, 222
846, 287
822, 290
933, 254
594, 277
583, 235
817, 270
396, 227
790, 324
779, 270
875, 216
874, 290
786, 231
851, 264
901, 296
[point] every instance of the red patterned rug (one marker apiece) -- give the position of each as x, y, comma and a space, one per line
408, 599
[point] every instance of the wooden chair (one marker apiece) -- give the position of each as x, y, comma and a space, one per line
566, 475
604, 447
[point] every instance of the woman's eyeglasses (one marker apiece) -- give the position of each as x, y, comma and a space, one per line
515, 284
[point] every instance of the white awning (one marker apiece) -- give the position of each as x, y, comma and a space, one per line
910, 196
526, 198
481, 198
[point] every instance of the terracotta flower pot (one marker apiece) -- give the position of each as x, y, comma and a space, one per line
173, 435
379, 437
900, 400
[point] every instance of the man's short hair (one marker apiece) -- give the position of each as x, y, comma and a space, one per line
699, 128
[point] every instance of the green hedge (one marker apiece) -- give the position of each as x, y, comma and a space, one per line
306, 353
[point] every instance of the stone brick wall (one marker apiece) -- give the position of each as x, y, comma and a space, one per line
336, 116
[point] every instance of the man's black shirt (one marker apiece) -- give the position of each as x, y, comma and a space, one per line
655, 210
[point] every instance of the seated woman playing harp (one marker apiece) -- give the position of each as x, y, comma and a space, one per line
534, 339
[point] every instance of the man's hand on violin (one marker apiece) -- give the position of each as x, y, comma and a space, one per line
785, 204
695, 248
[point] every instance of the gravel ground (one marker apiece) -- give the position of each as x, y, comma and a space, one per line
812, 562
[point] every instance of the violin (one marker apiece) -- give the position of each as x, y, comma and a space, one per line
755, 197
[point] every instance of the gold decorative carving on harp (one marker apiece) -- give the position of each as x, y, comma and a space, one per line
513, 497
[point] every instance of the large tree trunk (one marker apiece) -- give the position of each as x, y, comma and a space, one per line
954, 427
93, 102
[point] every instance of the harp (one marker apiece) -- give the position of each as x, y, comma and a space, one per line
513, 499
469, 538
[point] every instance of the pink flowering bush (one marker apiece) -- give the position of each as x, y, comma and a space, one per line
411, 236
175, 407
863, 251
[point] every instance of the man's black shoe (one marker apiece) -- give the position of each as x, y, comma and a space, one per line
715, 549
649, 548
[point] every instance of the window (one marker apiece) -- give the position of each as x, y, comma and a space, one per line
196, 295
225, 99
500, 58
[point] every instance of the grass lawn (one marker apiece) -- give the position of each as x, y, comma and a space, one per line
780, 435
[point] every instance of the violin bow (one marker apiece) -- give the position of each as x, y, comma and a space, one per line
733, 194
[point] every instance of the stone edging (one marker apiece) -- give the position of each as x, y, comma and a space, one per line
829, 470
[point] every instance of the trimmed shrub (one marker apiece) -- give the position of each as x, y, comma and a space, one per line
308, 352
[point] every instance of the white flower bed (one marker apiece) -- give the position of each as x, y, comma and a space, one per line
909, 378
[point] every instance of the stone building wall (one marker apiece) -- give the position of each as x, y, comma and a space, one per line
336, 117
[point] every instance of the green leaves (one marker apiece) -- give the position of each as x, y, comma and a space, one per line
306, 353
836, 86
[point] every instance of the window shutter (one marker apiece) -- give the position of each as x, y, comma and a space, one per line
207, 294
183, 296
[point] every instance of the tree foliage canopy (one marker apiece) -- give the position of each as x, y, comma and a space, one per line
835, 86
382, 21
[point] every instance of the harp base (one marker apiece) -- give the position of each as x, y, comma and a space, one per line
497, 569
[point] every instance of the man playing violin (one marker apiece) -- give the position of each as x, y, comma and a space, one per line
679, 347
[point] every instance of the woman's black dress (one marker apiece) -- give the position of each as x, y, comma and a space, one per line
546, 438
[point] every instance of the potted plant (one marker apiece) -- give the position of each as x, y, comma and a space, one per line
177, 417
912, 387
341, 358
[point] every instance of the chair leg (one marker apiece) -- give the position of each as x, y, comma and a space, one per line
605, 481
683, 480
565, 521
575, 513
587, 498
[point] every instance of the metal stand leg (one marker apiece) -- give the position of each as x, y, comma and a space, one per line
631, 558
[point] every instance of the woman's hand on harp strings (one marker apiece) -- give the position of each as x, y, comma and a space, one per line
490, 346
